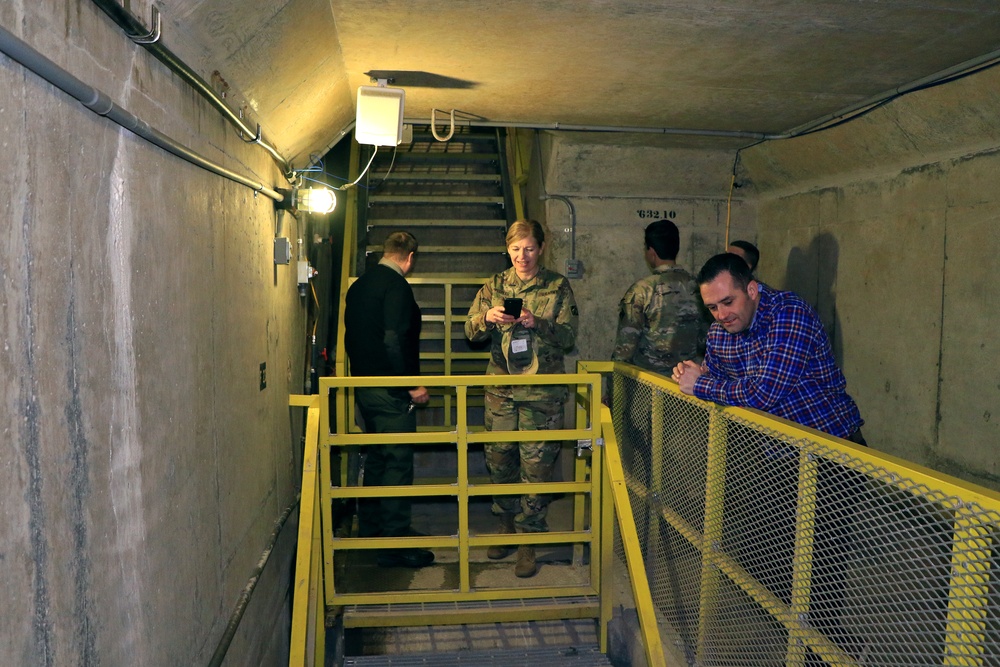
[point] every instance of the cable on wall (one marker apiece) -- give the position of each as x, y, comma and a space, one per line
101, 104
139, 34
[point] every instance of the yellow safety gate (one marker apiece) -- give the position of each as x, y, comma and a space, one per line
460, 436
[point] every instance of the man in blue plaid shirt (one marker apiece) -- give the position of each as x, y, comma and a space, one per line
767, 350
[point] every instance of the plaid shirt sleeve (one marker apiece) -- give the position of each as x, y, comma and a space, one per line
761, 367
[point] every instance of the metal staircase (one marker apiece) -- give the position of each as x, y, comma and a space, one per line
453, 197
450, 195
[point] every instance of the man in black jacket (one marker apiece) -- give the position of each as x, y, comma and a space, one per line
382, 336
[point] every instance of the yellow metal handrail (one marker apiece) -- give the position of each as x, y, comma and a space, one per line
620, 508
308, 642
724, 579
348, 434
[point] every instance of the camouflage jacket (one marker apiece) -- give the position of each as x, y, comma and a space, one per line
550, 298
660, 321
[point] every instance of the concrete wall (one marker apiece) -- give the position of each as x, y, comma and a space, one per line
616, 191
888, 225
143, 468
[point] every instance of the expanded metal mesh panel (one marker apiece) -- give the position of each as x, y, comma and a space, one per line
805, 555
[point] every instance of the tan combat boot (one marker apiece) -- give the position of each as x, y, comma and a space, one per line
506, 528
525, 566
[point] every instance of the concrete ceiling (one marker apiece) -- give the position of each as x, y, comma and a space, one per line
763, 66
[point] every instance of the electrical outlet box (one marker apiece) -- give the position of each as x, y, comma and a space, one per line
379, 120
282, 251
574, 268
305, 272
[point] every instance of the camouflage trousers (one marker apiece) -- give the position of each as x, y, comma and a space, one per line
511, 462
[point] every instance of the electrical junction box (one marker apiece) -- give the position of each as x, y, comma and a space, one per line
305, 272
574, 268
282, 251
379, 119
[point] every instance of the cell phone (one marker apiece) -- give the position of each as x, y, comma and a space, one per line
512, 307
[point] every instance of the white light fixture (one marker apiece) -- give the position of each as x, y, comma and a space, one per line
379, 116
307, 200
315, 200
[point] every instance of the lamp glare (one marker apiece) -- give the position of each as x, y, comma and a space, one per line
316, 200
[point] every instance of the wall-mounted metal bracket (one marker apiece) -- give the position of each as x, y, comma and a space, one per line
255, 140
153, 35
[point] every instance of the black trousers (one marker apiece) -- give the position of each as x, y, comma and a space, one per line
385, 465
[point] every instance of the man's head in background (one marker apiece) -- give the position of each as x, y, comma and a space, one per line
747, 251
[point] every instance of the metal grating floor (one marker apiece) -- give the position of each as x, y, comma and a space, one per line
525, 657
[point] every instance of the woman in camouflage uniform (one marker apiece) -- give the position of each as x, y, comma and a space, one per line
533, 342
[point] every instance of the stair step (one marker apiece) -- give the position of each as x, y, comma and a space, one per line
435, 222
459, 137
457, 157
442, 176
483, 611
552, 656
433, 199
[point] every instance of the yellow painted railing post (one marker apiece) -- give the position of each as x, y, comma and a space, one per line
605, 542
462, 433
715, 485
968, 589
326, 481
657, 444
581, 464
802, 559
519, 172
616, 489
448, 325
308, 608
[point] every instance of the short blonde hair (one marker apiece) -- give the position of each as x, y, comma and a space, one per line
522, 229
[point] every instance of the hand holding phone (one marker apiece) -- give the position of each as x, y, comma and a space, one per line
512, 307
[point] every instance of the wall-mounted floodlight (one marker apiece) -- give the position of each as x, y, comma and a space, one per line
316, 200
307, 200
379, 116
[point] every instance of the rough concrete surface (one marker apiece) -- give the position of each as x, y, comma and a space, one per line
144, 467
897, 247
616, 192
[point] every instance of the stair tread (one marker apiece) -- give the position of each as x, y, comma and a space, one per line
441, 176
451, 156
449, 199
462, 137
435, 222
526, 657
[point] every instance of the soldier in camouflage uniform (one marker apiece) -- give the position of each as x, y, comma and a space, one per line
533, 342
660, 318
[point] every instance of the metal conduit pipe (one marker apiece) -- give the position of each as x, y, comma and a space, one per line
605, 128
244, 599
101, 104
572, 221
926, 81
133, 28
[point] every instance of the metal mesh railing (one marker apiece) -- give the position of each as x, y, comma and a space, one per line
769, 544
